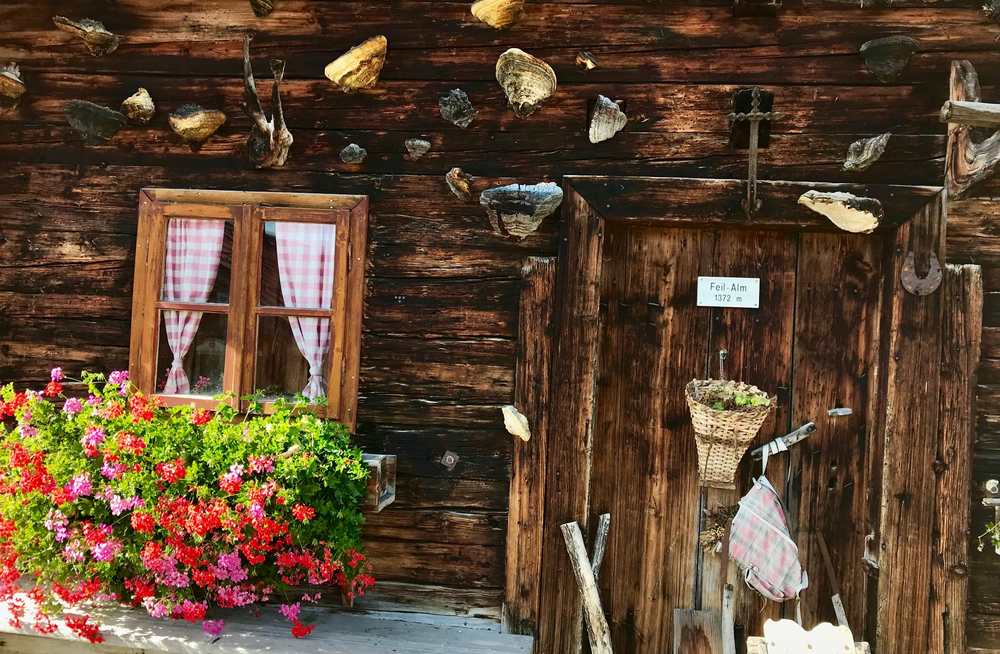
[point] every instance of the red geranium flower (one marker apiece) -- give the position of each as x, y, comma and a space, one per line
53, 388
171, 471
300, 630
143, 523
202, 417
303, 512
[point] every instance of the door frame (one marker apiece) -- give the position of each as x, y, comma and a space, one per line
541, 591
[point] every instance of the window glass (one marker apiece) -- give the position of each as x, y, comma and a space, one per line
198, 261
191, 355
293, 356
297, 265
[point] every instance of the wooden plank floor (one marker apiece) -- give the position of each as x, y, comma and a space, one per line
133, 632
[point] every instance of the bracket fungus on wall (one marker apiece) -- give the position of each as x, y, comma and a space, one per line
269, 140
516, 423
195, 124
858, 215
498, 13
456, 108
517, 210
885, 58
526, 80
139, 106
353, 154
98, 40
864, 152
416, 148
12, 85
262, 8
606, 119
94, 122
359, 67
460, 184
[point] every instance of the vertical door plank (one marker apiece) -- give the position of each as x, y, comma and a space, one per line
697, 632
910, 442
567, 483
527, 486
836, 346
961, 340
759, 343
654, 341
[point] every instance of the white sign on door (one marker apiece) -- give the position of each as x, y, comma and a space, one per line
732, 292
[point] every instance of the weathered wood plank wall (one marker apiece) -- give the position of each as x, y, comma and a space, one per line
441, 313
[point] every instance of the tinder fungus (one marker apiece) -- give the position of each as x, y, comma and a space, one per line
359, 67
526, 80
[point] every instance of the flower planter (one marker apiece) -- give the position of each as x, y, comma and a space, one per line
723, 434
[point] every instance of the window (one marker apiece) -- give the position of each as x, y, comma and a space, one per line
245, 293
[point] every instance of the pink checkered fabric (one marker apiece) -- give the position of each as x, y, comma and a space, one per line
194, 248
759, 541
306, 254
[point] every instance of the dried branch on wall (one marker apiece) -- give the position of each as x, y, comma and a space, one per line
195, 124
95, 123
885, 58
139, 107
606, 119
416, 148
858, 215
456, 108
967, 162
526, 80
460, 184
95, 36
498, 13
359, 67
864, 152
353, 154
517, 210
269, 140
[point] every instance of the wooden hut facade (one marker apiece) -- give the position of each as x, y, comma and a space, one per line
867, 229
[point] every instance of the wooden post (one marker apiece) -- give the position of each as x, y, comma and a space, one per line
728, 625
597, 624
600, 543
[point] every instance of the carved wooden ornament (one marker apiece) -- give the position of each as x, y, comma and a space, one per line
139, 107
606, 120
526, 80
359, 67
517, 210
195, 124
95, 123
98, 40
885, 58
498, 13
864, 152
858, 215
269, 140
967, 162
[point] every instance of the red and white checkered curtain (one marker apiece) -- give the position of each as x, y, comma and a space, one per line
306, 254
194, 249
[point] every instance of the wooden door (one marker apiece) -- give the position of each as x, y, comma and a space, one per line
835, 328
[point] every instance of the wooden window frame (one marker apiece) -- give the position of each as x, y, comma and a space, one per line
248, 212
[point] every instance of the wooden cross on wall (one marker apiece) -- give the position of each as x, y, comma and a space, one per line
751, 102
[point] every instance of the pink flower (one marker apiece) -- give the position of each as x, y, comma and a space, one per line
27, 431
155, 608
261, 464
93, 437
213, 628
79, 486
56, 375
106, 551
73, 553
118, 377
112, 469
290, 611
256, 511
72, 406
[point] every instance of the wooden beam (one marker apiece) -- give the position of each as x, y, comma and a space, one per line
527, 485
567, 483
910, 433
697, 632
967, 162
970, 113
597, 625
961, 343
381, 481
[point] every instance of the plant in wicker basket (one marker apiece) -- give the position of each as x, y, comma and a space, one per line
726, 416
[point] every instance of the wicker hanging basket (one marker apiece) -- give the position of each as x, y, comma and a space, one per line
723, 435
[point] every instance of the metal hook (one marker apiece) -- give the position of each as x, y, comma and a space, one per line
917, 285
723, 353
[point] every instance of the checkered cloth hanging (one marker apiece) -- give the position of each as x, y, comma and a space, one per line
759, 541
306, 255
194, 248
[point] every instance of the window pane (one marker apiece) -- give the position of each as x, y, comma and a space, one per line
297, 265
293, 356
200, 341
198, 260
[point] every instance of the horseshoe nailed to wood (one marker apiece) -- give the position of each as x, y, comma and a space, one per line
920, 285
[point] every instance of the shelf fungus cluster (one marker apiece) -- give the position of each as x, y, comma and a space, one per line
517, 210
460, 184
851, 213
139, 107
262, 8
526, 80
98, 40
456, 108
353, 154
12, 86
195, 124
95, 123
416, 148
498, 13
887, 57
269, 139
360, 67
606, 119
864, 152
